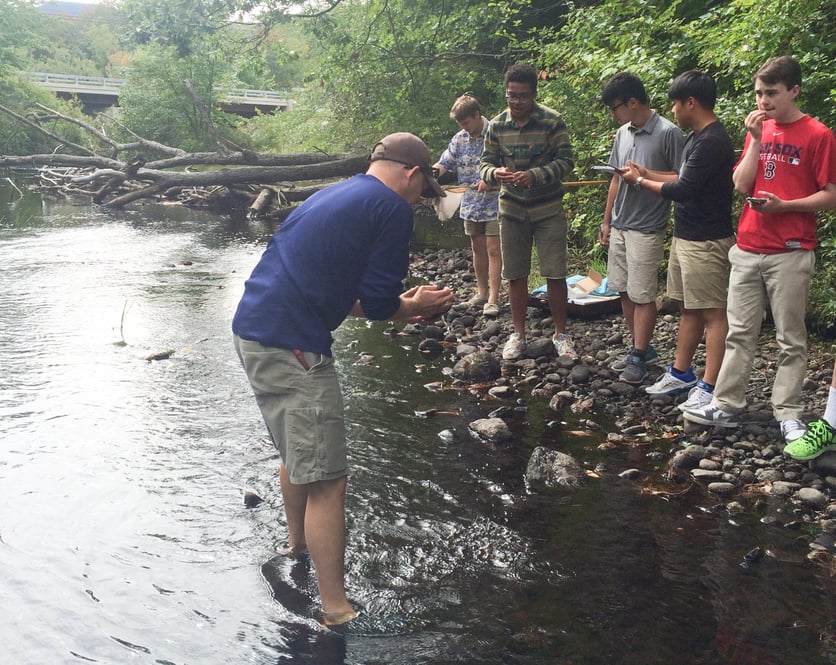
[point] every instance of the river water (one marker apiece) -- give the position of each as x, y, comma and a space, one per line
124, 537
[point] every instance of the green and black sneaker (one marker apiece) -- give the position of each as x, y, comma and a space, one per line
820, 438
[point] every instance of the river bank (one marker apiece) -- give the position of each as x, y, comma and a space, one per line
744, 467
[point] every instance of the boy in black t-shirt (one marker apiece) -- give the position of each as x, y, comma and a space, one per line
698, 269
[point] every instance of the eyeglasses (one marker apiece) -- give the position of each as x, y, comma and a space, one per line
613, 109
519, 97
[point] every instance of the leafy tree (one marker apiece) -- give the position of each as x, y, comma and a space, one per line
392, 65
181, 25
56, 45
156, 103
17, 30
194, 41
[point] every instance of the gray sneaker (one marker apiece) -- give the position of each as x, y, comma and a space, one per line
621, 363
713, 416
634, 372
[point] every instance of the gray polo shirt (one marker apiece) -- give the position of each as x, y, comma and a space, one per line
657, 146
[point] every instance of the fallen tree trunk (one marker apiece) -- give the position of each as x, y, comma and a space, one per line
154, 170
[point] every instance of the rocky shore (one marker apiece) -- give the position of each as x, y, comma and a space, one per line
733, 464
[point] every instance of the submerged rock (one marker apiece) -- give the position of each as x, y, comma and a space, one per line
478, 366
491, 429
551, 468
251, 499
430, 348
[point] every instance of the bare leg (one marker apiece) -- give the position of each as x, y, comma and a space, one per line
494, 268
830, 407
644, 320
716, 329
518, 295
325, 530
480, 263
628, 308
557, 303
295, 503
688, 338
316, 518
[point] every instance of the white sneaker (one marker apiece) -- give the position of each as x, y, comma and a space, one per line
668, 384
792, 430
514, 347
563, 345
697, 398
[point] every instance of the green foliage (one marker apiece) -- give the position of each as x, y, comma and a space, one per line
18, 94
21, 31
310, 127
398, 65
181, 25
80, 47
156, 104
288, 56
17, 31
822, 307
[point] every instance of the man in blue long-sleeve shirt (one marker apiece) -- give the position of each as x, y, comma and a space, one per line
698, 269
342, 253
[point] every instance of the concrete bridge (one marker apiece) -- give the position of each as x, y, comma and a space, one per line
98, 93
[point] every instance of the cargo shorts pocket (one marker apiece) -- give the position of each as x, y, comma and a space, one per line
315, 444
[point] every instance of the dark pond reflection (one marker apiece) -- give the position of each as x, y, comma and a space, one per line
124, 537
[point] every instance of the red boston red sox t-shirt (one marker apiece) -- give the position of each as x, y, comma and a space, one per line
796, 160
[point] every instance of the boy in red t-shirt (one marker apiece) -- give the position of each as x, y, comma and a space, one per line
787, 172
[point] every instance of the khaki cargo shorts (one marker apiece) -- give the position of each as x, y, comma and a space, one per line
698, 272
303, 409
633, 263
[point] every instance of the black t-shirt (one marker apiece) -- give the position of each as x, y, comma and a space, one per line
704, 191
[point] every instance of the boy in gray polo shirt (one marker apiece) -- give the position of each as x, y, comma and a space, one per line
635, 220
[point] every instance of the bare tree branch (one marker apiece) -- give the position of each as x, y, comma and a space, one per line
115, 182
35, 126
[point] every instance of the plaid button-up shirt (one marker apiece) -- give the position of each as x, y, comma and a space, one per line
542, 146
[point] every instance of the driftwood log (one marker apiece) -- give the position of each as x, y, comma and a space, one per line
116, 174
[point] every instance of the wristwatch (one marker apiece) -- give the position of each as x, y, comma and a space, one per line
638, 183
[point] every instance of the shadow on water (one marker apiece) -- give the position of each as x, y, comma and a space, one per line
123, 535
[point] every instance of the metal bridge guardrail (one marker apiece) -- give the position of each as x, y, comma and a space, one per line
111, 86
72, 83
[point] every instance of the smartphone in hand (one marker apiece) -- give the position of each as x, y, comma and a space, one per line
756, 200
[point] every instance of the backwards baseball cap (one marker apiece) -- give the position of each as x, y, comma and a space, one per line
408, 149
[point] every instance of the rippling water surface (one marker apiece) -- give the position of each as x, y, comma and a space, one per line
124, 537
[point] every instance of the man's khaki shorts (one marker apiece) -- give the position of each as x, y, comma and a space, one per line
303, 409
698, 272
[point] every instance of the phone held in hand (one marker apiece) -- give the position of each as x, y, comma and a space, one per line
756, 200
606, 168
